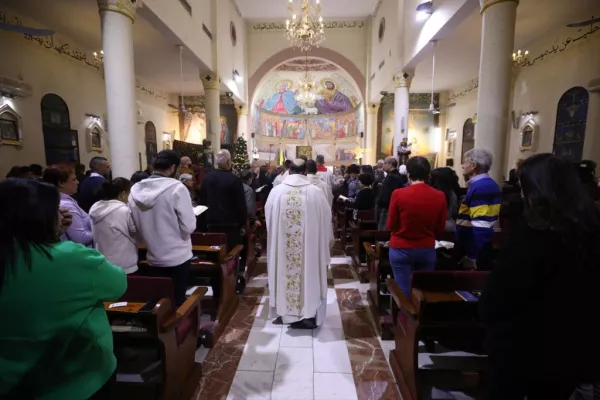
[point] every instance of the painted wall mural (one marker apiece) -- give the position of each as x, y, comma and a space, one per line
336, 113
194, 125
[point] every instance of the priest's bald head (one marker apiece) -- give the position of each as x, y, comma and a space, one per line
298, 166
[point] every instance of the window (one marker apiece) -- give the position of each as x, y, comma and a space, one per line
61, 143
571, 121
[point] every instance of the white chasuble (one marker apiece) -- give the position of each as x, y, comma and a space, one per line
318, 182
299, 239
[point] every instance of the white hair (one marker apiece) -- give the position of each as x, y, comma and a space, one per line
380, 162
222, 157
186, 177
185, 160
402, 169
482, 158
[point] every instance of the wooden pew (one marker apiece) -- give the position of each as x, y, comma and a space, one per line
217, 267
437, 312
152, 329
379, 268
365, 222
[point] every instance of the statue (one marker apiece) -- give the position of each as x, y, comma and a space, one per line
404, 150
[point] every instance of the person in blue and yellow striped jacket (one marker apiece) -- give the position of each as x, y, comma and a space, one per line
478, 211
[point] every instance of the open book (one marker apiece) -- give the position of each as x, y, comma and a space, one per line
199, 210
260, 188
344, 198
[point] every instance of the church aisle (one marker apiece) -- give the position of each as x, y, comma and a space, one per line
341, 360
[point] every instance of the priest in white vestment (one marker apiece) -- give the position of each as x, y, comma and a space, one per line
311, 174
279, 179
299, 239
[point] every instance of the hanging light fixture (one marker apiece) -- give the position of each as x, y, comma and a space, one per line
306, 28
306, 88
99, 56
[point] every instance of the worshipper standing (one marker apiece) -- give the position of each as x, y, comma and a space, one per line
186, 166
442, 180
113, 227
138, 177
284, 174
162, 211
56, 341
250, 196
416, 216
36, 171
312, 174
380, 164
80, 172
391, 182
188, 182
63, 177
539, 302
223, 194
353, 184
89, 191
323, 172
299, 240
149, 169
365, 198
478, 212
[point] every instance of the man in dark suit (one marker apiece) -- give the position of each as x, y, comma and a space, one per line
89, 189
393, 180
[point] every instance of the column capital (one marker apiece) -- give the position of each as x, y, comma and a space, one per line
373, 108
241, 109
403, 78
485, 4
125, 7
210, 81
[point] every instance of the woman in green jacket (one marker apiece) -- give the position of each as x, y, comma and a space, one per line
55, 339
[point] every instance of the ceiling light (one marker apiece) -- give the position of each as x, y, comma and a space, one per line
306, 28
424, 10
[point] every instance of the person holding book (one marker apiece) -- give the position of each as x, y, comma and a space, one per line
113, 227
55, 341
162, 211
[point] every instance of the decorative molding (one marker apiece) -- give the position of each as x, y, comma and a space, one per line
280, 26
403, 79
198, 103
210, 81
241, 109
18, 141
485, 4
95, 143
124, 7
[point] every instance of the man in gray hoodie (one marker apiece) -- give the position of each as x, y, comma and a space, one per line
162, 210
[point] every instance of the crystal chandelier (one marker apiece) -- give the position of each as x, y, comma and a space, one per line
306, 88
520, 58
306, 29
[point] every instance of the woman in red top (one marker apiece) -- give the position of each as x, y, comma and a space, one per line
417, 214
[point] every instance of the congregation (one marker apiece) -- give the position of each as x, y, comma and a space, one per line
92, 230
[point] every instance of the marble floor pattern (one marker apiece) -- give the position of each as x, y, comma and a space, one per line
342, 360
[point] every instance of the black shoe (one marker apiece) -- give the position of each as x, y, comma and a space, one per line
278, 321
240, 285
307, 323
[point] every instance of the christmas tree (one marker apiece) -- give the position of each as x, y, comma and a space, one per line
240, 154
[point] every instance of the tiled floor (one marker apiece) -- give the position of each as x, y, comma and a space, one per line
341, 360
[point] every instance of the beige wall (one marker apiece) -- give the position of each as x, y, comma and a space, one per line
349, 42
79, 85
538, 88
231, 57
386, 52
188, 28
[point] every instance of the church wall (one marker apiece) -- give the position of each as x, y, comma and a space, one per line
79, 84
538, 88
384, 48
231, 57
188, 28
266, 39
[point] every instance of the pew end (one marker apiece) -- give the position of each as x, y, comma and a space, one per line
437, 312
155, 342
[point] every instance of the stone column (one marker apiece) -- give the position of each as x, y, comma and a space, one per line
495, 72
117, 17
402, 82
212, 94
371, 142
